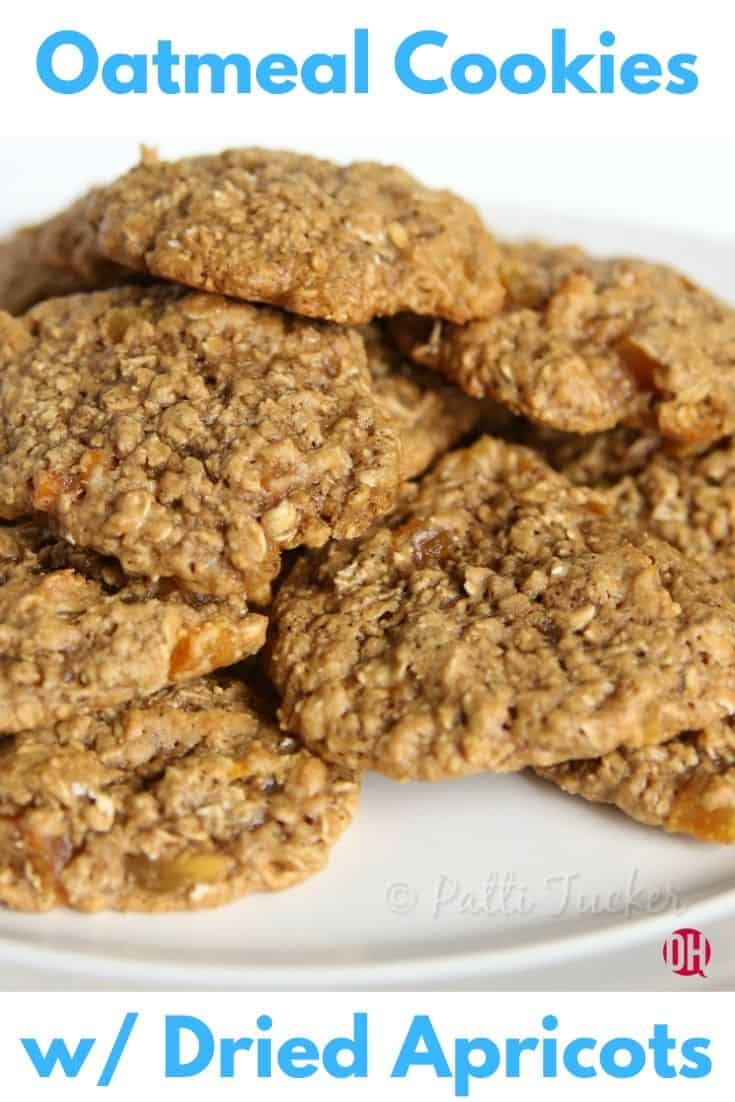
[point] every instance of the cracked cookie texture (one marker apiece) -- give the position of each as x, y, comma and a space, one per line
187, 801
583, 344
342, 242
686, 786
429, 416
77, 636
499, 618
188, 435
688, 501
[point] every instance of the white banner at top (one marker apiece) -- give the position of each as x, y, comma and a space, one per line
566, 67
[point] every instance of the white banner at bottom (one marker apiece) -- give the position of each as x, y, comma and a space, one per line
322, 1045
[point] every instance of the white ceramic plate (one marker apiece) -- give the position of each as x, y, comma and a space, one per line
488, 881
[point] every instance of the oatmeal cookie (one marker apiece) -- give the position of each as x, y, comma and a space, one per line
344, 243
190, 436
689, 501
56, 257
600, 460
686, 786
186, 801
499, 618
429, 415
76, 635
582, 345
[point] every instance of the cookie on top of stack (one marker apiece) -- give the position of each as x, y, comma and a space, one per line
212, 362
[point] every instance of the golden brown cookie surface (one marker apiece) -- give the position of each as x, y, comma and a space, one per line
184, 802
582, 345
429, 415
498, 618
345, 243
188, 435
688, 501
76, 636
686, 786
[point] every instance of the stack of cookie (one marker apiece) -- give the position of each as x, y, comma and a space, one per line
228, 586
